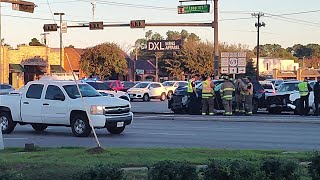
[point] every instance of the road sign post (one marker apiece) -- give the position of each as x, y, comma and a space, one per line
233, 63
1, 140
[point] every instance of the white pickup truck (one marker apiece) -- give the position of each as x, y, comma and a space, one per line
57, 103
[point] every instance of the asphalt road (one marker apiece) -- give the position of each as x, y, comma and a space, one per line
154, 106
285, 132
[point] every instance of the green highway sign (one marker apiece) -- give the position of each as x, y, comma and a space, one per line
194, 9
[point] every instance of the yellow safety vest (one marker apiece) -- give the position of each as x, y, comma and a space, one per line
303, 88
207, 90
190, 89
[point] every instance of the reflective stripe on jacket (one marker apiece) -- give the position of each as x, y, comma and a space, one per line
207, 90
303, 88
190, 89
227, 90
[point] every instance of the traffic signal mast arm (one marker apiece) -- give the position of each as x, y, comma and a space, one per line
150, 24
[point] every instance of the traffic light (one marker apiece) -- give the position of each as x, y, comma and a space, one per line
96, 25
50, 27
138, 24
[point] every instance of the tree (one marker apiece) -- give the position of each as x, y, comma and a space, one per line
250, 69
103, 59
71, 46
35, 42
274, 51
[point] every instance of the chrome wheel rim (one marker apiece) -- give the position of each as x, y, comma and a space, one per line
4, 122
79, 126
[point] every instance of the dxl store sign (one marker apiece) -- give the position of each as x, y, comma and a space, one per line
164, 45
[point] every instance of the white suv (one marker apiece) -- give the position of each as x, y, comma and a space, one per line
171, 86
147, 91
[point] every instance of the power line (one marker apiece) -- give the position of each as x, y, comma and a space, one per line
292, 19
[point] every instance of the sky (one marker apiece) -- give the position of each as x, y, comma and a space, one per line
288, 22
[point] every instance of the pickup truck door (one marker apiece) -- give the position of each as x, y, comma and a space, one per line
31, 104
55, 106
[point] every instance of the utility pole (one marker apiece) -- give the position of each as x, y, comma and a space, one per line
94, 4
45, 38
60, 14
135, 64
216, 40
1, 64
258, 25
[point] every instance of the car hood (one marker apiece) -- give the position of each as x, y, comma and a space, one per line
116, 94
136, 89
281, 93
106, 101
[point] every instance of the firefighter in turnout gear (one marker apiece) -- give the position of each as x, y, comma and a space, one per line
208, 96
192, 93
226, 93
240, 95
248, 90
304, 90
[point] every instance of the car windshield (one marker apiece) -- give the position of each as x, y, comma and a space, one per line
141, 85
288, 87
99, 86
168, 83
85, 89
267, 86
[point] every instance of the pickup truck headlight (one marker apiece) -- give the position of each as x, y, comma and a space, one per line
97, 110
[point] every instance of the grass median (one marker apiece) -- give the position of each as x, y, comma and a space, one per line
61, 163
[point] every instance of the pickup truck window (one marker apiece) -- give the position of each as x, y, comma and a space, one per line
34, 91
85, 89
52, 91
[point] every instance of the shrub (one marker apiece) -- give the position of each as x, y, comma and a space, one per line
245, 170
217, 170
100, 172
314, 166
172, 170
278, 169
11, 175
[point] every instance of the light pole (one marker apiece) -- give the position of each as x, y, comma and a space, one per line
216, 40
258, 25
60, 14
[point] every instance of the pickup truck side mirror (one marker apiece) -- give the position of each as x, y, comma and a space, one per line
59, 97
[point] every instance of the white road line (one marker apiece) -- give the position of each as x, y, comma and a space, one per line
166, 134
15, 138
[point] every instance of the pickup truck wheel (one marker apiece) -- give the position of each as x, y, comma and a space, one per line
115, 130
39, 127
80, 125
6, 123
163, 97
145, 97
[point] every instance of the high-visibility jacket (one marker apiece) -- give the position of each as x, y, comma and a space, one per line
227, 90
303, 88
207, 90
249, 89
190, 89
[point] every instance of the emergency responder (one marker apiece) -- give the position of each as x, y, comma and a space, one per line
208, 96
304, 90
239, 85
248, 91
226, 92
192, 93
316, 90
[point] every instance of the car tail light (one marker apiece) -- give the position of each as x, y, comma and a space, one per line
262, 91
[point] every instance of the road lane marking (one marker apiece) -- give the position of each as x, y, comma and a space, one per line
15, 138
166, 134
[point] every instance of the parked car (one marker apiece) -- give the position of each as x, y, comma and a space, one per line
287, 98
147, 91
275, 82
268, 86
116, 85
171, 86
5, 89
127, 85
57, 103
105, 90
179, 102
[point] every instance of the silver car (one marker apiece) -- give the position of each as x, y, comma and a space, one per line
5, 89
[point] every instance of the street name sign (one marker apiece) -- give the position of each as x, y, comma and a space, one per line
164, 45
194, 9
233, 62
